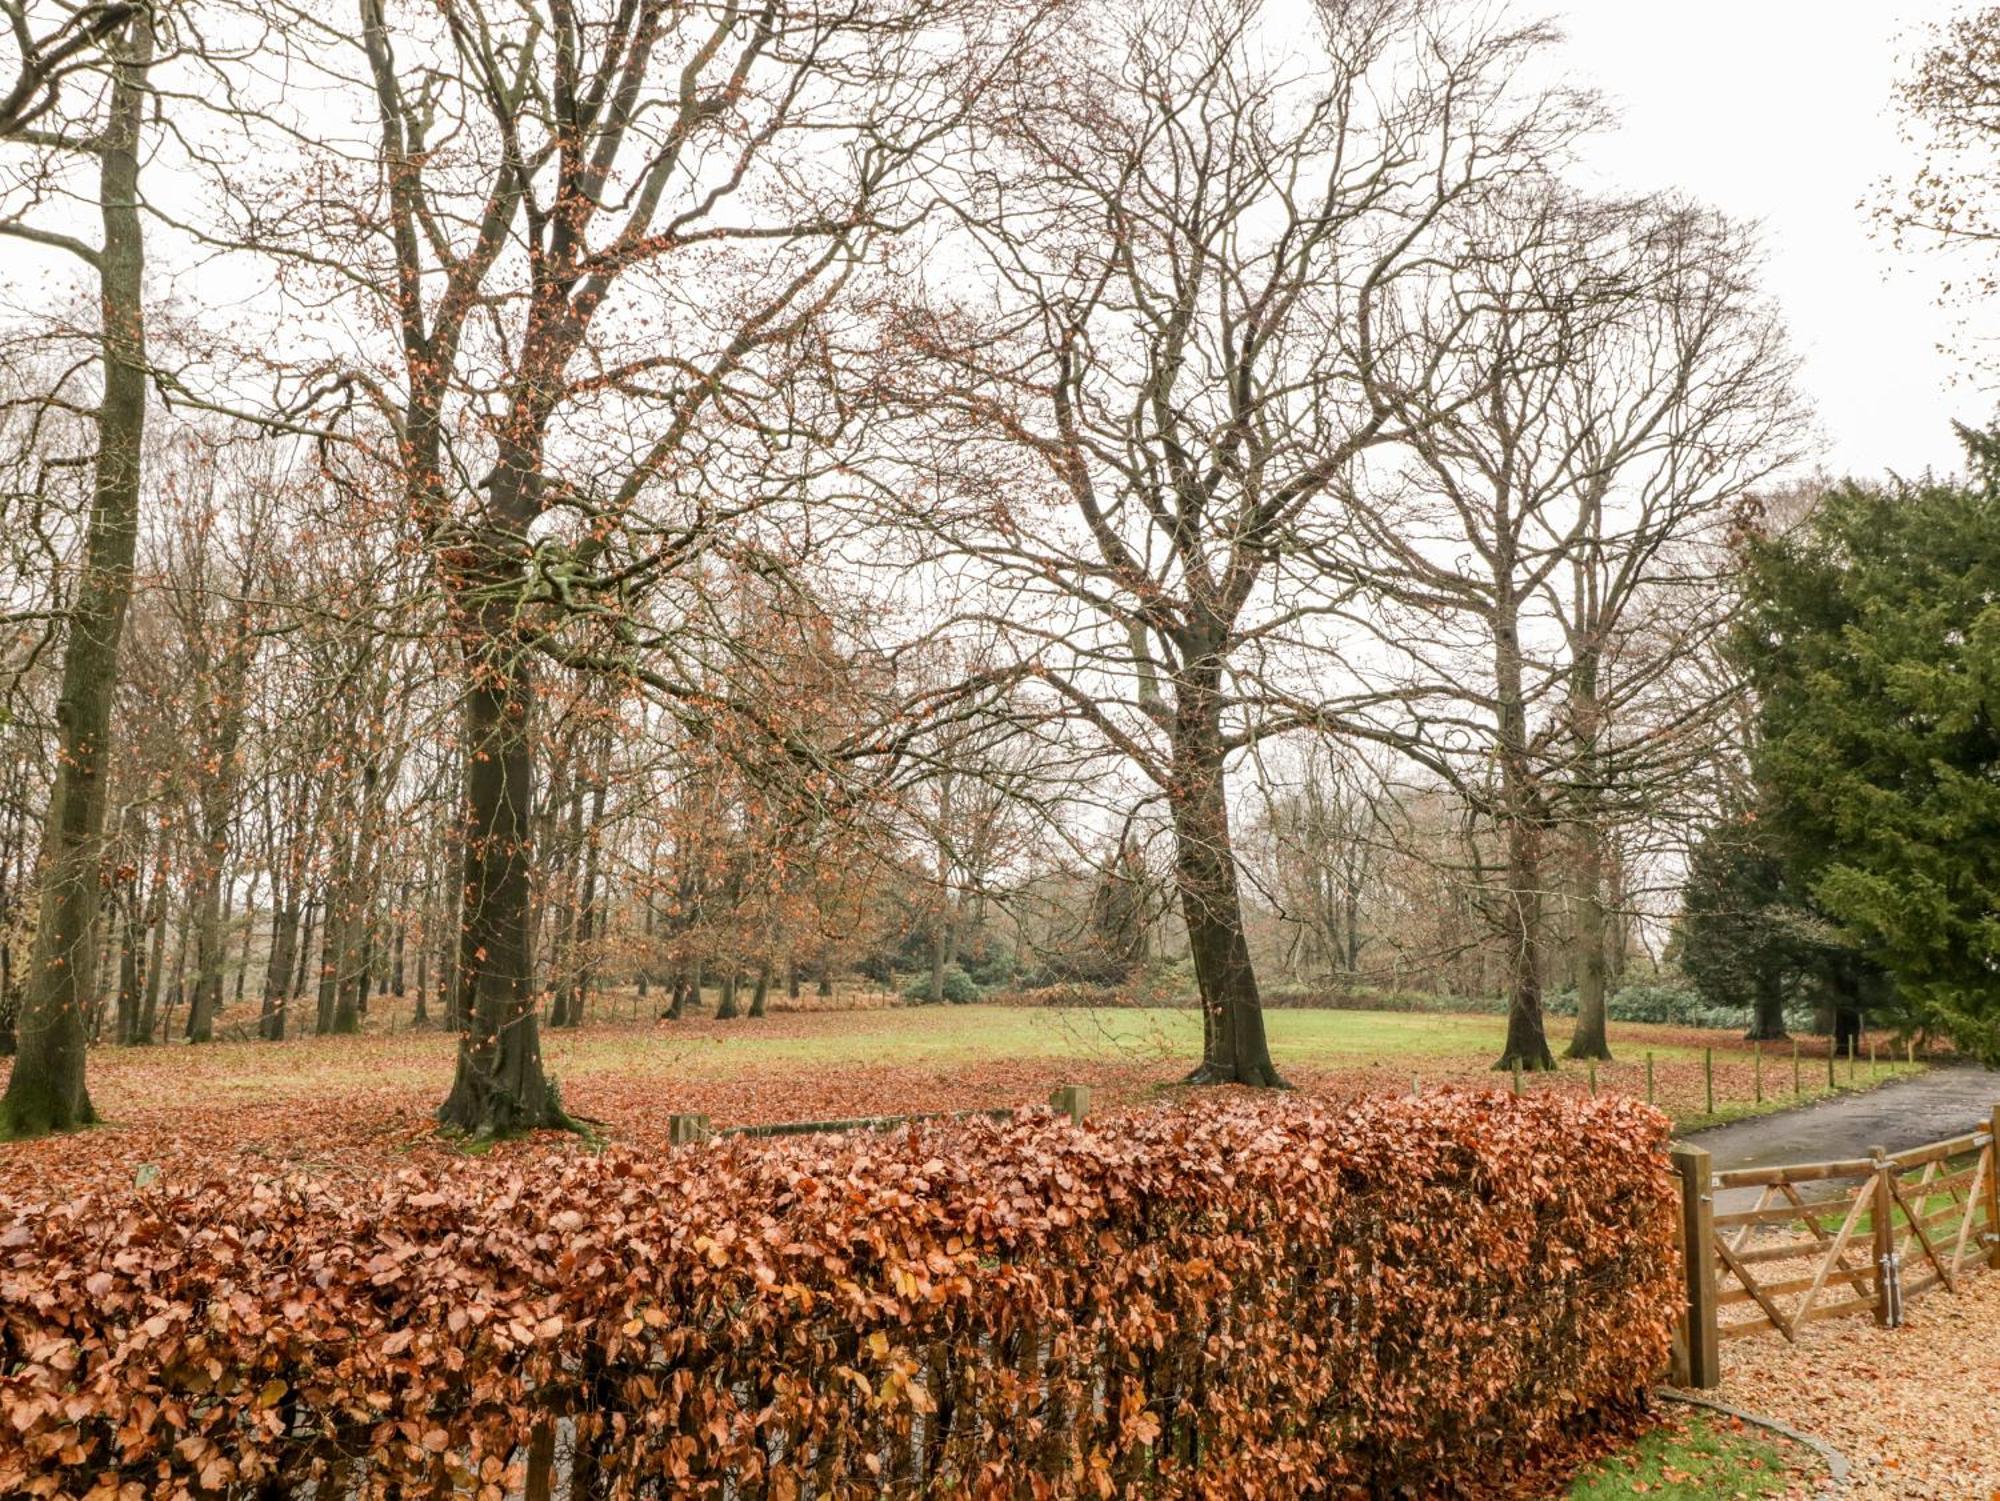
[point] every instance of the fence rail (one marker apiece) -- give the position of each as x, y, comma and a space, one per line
1822, 1240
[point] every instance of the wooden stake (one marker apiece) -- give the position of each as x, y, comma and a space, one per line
1517, 1078
685, 1130
1831, 1082
1593, 1079
1798, 1081
1708, 1068
1697, 1361
1759, 1051
1649, 1078
1072, 1100
1874, 1068
1888, 1295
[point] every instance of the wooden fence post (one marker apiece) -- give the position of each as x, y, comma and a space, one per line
1881, 1213
685, 1130
1798, 1084
1831, 1083
1649, 1078
1708, 1067
1759, 1051
1072, 1100
1993, 1194
1697, 1352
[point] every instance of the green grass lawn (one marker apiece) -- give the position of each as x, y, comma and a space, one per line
1702, 1457
944, 1034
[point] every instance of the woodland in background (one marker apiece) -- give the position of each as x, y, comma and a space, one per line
511, 507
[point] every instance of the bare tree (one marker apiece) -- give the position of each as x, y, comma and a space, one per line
46, 1090
1191, 239
1620, 381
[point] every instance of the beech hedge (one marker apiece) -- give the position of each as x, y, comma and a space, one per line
1234, 1297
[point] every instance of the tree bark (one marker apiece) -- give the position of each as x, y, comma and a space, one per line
1589, 1039
278, 970
1767, 1022
130, 982
46, 1090
500, 1088
1521, 822
1235, 1049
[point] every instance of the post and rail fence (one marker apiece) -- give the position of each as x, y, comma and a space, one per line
1819, 1240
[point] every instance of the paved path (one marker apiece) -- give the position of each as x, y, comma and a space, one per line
1901, 1114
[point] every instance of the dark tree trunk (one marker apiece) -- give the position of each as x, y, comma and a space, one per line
792, 979
500, 1088
1589, 1039
762, 993
130, 982
206, 991
1521, 821
249, 921
583, 967
149, 1008
297, 988
402, 933
1767, 1020
726, 1009
46, 1090
278, 971
642, 980
1235, 1049
677, 1002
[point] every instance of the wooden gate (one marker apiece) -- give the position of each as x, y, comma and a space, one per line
1778, 1248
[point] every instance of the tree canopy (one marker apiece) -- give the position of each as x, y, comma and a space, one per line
1871, 642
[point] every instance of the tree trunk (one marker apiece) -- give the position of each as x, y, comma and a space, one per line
791, 979
1589, 1040
762, 993
500, 1088
583, 967
278, 970
1235, 1049
726, 1008
1767, 1022
130, 982
298, 979
46, 1090
249, 922
206, 991
402, 933
1521, 826
149, 1008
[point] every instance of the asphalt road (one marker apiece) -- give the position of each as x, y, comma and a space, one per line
1905, 1113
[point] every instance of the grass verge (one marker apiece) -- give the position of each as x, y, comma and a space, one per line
1699, 1457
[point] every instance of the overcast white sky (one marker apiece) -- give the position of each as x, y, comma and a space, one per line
1779, 111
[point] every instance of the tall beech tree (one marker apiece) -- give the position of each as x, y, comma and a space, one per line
599, 233
46, 1091
1192, 239
1599, 382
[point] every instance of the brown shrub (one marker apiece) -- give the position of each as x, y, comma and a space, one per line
1236, 1297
